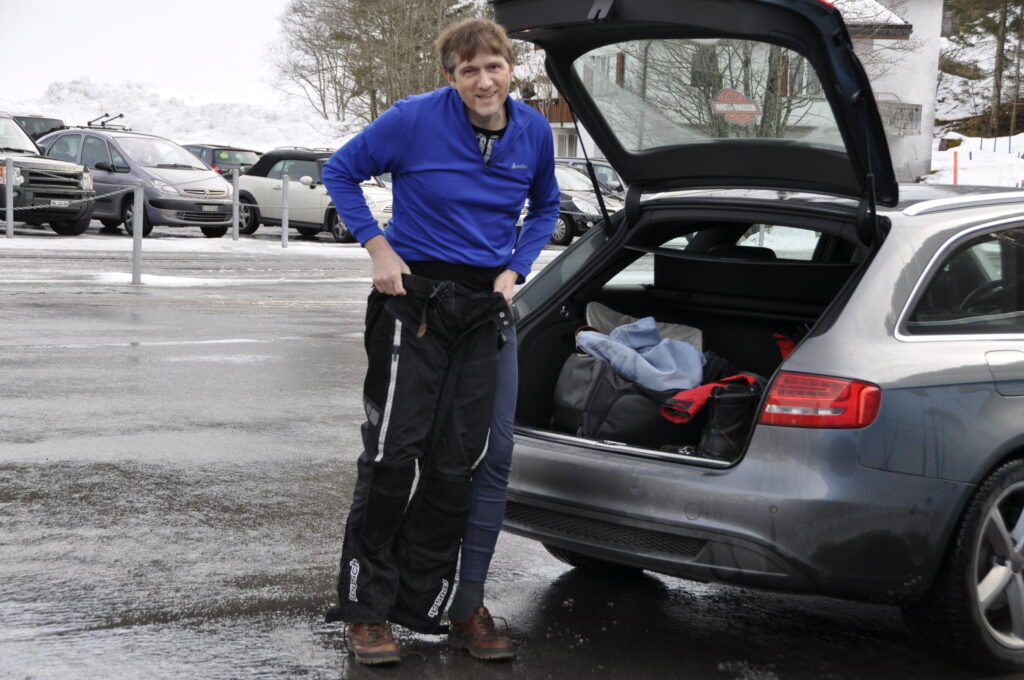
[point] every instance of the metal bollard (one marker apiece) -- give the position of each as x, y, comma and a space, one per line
137, 221
9, 195
284, 211
234, 204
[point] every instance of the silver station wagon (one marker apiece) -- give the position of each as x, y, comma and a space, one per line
882, 457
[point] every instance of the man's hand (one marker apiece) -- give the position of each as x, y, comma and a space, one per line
505, 284
388, 267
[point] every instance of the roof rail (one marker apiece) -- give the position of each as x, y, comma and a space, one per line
943, 204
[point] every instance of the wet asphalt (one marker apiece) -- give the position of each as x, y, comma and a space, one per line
176, 461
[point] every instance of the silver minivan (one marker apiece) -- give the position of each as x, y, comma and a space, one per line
180, 190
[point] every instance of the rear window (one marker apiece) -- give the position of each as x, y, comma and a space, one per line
655, 93
36, 127
234, 157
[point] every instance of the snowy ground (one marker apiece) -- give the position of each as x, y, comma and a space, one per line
993, 162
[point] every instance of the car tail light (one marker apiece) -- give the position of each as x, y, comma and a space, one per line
804, 400
217, 169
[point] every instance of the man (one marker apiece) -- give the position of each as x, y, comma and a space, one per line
463, 160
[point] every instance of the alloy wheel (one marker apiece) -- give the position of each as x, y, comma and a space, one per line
999, 563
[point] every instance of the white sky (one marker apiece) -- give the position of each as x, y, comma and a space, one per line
205, 50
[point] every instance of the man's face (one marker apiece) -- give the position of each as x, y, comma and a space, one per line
483, 83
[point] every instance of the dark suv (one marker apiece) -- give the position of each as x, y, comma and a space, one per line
224, 159
45, 190
36, 126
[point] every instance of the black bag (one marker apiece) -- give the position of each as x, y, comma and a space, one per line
730, 414
592, 400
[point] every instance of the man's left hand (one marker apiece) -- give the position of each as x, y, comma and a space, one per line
505, 284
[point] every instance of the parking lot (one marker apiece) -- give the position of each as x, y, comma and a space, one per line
176, 459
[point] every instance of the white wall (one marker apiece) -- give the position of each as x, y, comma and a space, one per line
913, 81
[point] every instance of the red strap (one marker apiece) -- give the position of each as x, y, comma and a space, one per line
785, 344
682, 406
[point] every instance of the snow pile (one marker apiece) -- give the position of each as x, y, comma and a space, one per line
145, 110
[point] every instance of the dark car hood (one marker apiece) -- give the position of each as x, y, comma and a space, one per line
860, 164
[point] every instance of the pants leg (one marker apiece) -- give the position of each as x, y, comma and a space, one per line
427, 546
490, 480
399, 398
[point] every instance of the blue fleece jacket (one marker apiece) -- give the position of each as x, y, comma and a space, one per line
447, 206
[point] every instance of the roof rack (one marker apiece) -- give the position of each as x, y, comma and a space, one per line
103, 122
302, 148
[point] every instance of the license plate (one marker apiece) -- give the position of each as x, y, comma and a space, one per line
210, 208
59, 203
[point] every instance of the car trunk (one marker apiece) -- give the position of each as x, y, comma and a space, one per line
732, 276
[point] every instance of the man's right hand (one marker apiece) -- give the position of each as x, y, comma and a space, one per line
388, 266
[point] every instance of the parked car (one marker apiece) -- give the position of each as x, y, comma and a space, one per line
579, 209
223, 159
310, 209
605, 173
179, 190
45, 190
36, 126
884, 460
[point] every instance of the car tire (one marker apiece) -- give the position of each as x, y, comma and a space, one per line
110, 223
71, 227
127, 214
968, 612
308, 232
591, 564
338, 228
564, 230
213, 232
248, 216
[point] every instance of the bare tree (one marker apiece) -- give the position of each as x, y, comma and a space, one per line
353, 59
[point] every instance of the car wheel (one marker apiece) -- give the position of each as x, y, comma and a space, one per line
128, 214
71, 227
213, 232
974, 611
248, 216
338, 229
564, 228
110, 223
591, 564
308, 232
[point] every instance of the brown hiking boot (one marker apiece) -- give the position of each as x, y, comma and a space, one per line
372, 643
477, 635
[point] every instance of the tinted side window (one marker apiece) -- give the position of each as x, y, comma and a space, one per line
976, 289
119, 161
94, 150
297, 169
65, 147
278, 170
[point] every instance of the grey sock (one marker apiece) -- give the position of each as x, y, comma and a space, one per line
468, 598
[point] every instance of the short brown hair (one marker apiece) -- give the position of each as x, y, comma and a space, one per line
464, 39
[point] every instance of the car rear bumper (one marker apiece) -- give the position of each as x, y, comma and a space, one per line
818, 523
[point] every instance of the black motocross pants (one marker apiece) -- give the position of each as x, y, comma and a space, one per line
428, 396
